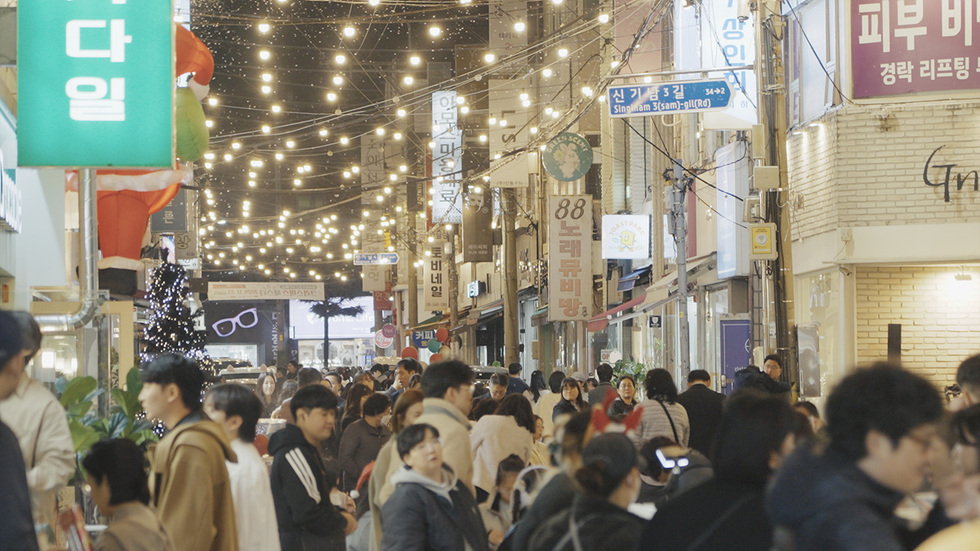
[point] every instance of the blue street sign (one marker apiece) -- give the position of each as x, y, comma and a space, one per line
372, 259
686, 96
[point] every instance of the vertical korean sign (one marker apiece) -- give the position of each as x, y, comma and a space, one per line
728, 40
570, 257
909, 46
436, 277
95, 83
447, 160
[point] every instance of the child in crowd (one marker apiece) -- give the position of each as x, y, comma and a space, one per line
497, 510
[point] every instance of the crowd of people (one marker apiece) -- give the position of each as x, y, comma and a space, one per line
420, 458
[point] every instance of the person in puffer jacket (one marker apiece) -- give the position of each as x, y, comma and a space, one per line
430, 508
305, 500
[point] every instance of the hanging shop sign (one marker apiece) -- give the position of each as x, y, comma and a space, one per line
569, 257
11, 205
95, 83
903, 47
625, 236
732, 184
421, 338
511, 131
382, 341
447, 160
477, 226
374, 278
265, 291
436, 277
372, 167
567, 157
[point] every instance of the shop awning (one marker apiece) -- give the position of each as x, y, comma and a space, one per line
492, 309
431, 323
600, 322
665, 288
540, 317
628, 281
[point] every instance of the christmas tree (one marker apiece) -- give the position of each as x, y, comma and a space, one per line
171, 325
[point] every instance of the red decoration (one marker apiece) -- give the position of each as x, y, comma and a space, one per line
123, 216
442, 334
410, 352
436, 358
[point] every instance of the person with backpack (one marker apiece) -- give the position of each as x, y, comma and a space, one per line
598, 518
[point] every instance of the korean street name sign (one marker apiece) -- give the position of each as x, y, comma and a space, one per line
95, 83
690, 96
372, 259
265, 291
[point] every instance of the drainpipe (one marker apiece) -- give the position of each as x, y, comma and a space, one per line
88, 269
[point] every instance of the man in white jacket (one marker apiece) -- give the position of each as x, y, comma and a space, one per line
39, 422
237, 409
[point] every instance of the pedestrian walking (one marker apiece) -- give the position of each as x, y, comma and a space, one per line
430, 509
189, 480
237, 411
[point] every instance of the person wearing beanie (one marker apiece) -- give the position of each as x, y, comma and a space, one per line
17, 528
598, 519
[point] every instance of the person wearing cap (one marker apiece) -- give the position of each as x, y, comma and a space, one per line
17, 527
39, 422
728, 511
598, 519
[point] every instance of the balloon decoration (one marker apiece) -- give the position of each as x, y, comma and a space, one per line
442, 334
436, 358
127, 198
410, 352
433, 345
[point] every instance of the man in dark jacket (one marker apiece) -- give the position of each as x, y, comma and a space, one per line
516, 385
430, 508
17, 526
598, 394
881, 422
703, 407
766, 379
305, 502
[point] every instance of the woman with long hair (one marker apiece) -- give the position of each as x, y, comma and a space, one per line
571, 399
508, 431
355, 398
265, 389
537, 385
662, 415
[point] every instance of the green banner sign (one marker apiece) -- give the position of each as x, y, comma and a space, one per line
95, 83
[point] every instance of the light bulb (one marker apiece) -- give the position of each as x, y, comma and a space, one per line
435, 32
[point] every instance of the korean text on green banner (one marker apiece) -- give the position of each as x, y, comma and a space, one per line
95, 83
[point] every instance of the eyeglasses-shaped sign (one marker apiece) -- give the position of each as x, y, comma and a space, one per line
246, 319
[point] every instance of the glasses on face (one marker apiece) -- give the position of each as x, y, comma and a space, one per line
433, 444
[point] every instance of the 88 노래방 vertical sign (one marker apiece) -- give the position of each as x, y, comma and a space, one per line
570, 257
95, 83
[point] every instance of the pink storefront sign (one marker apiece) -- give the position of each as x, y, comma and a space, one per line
912, 46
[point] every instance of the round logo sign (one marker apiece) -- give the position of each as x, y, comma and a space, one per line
381, 341
388, 330
567, 157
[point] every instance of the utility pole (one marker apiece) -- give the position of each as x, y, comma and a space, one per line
772, 95
453, 288
678, 228
508, 203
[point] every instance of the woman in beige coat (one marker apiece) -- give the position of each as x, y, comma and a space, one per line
494, 437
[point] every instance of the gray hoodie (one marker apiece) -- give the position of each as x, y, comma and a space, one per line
406, 475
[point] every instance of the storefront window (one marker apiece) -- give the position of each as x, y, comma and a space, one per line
818, 319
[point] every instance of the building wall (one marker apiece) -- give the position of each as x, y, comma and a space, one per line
939, 317
863, 166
